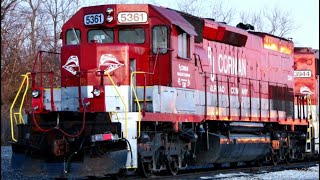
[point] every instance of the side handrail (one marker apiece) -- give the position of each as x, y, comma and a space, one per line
134, 90
21, 120
137, 99
124, 104
310, 118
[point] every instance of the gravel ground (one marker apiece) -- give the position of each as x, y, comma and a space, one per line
7, 172
311, 173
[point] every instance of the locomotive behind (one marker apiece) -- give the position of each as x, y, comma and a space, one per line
148, 89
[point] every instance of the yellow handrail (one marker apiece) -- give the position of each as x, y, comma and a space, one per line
26, 78
124, 104
136, 97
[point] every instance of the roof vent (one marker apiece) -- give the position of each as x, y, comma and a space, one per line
245, 26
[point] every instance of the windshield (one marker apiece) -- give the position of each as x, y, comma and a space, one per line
135, 35
100, 35
73, 36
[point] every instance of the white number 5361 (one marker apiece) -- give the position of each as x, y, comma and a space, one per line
132, 17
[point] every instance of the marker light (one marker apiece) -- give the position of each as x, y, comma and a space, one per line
96, 92
109, 10
109, 18
35, 93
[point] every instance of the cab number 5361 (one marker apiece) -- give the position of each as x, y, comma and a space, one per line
92, 19
132, 17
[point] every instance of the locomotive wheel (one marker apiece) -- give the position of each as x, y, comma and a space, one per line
274, 159
173, 166
145, 169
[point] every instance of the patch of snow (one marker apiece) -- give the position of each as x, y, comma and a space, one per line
311, 173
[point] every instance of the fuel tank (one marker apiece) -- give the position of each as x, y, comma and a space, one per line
216, 148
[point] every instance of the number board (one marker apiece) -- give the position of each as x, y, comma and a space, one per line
132, 17
302, 74
93, 19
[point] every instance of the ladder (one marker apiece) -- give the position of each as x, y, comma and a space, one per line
310, 129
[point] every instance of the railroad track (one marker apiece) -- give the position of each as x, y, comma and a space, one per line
212, 173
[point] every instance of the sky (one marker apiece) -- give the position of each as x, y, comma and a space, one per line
304, 13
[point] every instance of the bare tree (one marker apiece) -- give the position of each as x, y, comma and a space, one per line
58, 11
26, 26
6, 6
280, 22
220, 12
277, 22
193, 7
255, 19
216, 10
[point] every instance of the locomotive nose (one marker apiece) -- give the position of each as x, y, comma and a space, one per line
88, 66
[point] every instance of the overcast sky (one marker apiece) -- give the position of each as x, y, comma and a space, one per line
304, 13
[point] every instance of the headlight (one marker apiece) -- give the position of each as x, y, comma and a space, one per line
35, 93
109, 18
96, 92
109, 10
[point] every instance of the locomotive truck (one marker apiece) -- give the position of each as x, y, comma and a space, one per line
149, 89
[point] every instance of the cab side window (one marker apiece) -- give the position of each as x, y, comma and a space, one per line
73, 36
160, 39
184, 45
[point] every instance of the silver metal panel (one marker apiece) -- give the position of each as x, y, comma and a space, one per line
56, 99
282, 114
168, 101
200, 98
245, 102
255, 104
140, 92
265, 104
132, 119
156, 99
265, 113
199, 110
245, 112
255, 113
234, 102
223, 101
235, 111
69, 98
185, 102
113, 100
273, 114
210, 99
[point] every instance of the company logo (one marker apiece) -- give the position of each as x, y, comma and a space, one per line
226, 64
305, 90
71, 64
109, 63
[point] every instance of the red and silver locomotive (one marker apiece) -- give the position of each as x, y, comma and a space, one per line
152, 89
